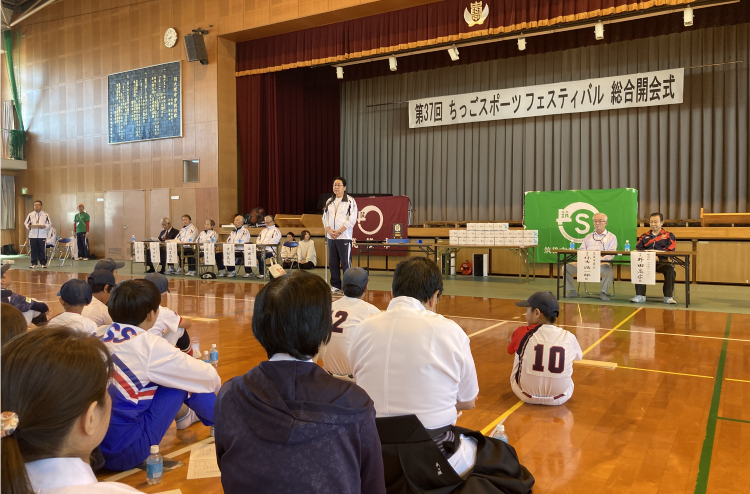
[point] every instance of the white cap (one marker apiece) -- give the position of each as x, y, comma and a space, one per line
154, 449
213, 345
501, 428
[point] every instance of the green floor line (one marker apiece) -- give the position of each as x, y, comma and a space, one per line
734, 420
704, 466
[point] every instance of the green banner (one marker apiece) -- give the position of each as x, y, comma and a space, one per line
568, 216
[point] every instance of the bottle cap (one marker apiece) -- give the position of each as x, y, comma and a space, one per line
501, 428
213, 345
154, 449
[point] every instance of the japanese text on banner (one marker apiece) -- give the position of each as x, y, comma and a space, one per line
154, 249
643, 268
210, 254
228, 254
589, 266
663, 87
140, 252
251, 260
172, 257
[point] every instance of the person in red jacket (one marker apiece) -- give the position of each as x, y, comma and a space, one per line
658, 239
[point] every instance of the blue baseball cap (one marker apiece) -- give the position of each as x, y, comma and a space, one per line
103, 277
159, 280
75, 292
544, 301
109, 264
355, 276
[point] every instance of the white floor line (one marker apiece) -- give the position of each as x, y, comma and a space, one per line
173, 454
487, 329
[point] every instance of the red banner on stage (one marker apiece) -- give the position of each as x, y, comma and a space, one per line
376, 220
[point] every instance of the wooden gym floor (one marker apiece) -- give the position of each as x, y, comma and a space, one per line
674, 416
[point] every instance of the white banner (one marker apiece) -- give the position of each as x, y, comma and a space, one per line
662, 87
154, 252
209, 252
589, 266
228, 254
140, 251
643, 267
172, 253
250, 260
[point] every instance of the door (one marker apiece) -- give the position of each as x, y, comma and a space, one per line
124, 216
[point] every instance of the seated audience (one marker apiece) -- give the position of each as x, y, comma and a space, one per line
48, 436
101, 281
348, 311
33, 311
240, 236
189, 233
152, 379
544, 354
167, 233
658, 239
74, 295
268, 237
110, 265
411, 360
13, 323
306, 251
169, 325
286, 426
288, 254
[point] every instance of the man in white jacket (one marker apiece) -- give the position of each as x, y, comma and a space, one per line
38, 225
339, 218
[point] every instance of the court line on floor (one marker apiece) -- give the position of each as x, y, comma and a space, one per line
515, 407
664, 372
736, 380
734, 420
173, 454
487, 329
704, 465
612, 330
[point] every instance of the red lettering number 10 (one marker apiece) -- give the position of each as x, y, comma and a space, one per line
556, 363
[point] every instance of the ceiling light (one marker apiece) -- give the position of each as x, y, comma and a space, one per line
392, 64
339, 72
522, 44
599, 30
453, 52
687, 16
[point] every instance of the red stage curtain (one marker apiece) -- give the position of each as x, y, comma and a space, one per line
288, 125
441, 23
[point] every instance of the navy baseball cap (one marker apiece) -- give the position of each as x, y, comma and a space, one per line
159, 280
109, 264
75, 292
103, 277
6, 267
544, 301
355, 276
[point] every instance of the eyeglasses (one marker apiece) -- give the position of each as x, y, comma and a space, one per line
600, 221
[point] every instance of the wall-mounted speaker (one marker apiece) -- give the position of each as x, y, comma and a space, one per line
196, 48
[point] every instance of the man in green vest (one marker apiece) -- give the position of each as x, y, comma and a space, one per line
81, 227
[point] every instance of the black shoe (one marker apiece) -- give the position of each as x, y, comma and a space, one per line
150, 270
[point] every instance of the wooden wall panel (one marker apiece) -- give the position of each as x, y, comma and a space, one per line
723, 262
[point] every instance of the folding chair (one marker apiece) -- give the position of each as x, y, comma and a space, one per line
596, 294
27, 247
291, 245
63, 247
51, 255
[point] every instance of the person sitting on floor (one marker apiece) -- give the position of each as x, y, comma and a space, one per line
306, 251
286, 426
74, 295
347, 311
288, 254
101, 281
49, 435
33, 311
543, 354
152, 379
169, 325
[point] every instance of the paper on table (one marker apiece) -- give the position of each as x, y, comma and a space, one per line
203, 462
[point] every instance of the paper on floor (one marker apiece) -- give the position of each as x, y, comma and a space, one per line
203, 462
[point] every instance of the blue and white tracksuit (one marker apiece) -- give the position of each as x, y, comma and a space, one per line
151, 381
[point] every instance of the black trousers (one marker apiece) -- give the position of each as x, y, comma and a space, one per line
162, 259
667, 269
339, 259
239, 260
307, 265
262, 256
189, 253
38, 250
83, 245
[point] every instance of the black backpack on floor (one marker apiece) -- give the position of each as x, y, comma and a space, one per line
9, 250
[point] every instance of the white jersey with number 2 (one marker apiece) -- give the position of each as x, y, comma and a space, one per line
543, 365
347, 313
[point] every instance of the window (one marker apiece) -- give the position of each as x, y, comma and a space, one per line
191, 171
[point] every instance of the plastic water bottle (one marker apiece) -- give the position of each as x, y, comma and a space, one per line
499, 433
572, 245
214, 355
133, 238
154, 466
206, 358
627, 245
213, 240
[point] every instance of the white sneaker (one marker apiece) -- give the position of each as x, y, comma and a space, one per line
85, 258
190, 273
222, 273
335, 290
638, 299
187, 420
232, 274
669, 300
169, 271
260, 276
246, 275
177, 270
44, 266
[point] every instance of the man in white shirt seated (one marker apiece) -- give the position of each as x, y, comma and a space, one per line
188, 234
411, 360
347, 312
270, 236
101, 281
599, 239
240, 235
544, 354
74, 295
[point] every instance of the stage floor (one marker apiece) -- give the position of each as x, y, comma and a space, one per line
674, 416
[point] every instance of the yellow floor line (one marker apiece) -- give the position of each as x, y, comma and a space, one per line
654, 333
664, 372
736, 380
486, 329
612, 330
501, 418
